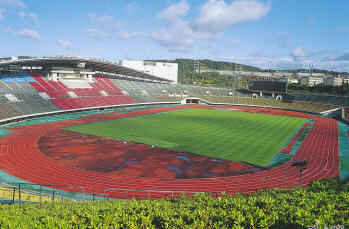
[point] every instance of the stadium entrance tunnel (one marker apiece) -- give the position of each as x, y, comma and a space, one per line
194, 101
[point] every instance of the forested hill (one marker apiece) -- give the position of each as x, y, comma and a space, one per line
186, 67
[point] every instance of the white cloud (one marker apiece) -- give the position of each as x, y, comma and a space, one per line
10, 31
109, 27
174, 11
103, 26
217, 15
342, 57
67, 45
178, 37
132, 7
29, 34
31, 17
310, 21
96, 33
298, 54
12, 3
341, 29
7, 4
177, 33
282, 40
105, 22
233, 42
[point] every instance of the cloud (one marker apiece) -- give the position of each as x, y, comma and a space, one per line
67, 45
103, 26
172, 13
310, 21
105, 22
342, 57
109, 27
298, 54
10, 31
215, 16
341, 29
31, 17
12, 3
7, 4
288, 63
177, 33
132, 7
29, 34
96, 33
121, 34
282, 40
233, 42
178, 37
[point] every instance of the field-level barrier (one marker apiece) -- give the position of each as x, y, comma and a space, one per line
37, 193
34, 193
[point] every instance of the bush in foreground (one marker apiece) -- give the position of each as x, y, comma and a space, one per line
322, 204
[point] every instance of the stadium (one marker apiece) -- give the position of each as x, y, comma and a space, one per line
89, 129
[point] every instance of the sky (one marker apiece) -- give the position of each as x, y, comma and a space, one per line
278, 34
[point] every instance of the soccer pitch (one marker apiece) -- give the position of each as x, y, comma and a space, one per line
232, 135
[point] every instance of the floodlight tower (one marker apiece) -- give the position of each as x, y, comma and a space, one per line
197, 66
301, 165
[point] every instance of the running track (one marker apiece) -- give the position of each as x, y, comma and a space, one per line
20, 157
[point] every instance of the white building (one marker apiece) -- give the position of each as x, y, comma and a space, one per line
346, 81
311, 81
160, 69
333, 81
308, 74
288, 80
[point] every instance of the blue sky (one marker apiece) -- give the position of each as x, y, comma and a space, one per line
267, 34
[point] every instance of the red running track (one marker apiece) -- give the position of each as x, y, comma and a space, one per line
20, 157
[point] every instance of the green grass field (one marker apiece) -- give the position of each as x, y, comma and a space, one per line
237, 136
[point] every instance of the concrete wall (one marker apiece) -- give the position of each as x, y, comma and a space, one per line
160, 69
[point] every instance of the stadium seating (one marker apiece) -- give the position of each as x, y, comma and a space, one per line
7, 112
102, 92
36, 92
20, 97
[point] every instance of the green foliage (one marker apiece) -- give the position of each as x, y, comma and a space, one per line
321, 88
187, 74
215, 133
323, 203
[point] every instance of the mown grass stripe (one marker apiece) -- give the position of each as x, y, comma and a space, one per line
232, 135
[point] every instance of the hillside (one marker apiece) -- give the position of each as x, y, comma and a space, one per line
187, 74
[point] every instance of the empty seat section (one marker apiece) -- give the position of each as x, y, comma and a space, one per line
61, 104
47, 86
7, 112
59, 88
106, 86
38, 87
70, 103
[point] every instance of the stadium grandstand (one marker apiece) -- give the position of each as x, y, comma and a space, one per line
42, 99
35, 85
